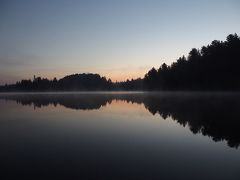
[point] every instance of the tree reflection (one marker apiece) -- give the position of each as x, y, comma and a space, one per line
213, 115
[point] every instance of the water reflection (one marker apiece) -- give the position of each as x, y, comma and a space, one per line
213, 115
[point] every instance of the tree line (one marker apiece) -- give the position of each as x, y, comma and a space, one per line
214, 67
74, 82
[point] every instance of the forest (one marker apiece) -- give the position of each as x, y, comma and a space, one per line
214, 67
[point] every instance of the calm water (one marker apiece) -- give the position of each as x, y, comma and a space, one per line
120, 136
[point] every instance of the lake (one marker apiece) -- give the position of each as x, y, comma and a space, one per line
121, 135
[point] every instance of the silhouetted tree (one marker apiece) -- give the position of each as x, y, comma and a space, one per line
151, 79
73, 82
213, 67
129, 85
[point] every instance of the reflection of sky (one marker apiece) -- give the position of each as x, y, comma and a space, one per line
118, 39
120, 132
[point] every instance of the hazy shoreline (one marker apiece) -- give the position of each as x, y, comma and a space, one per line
124, 92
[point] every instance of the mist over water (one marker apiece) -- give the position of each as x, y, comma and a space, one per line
120, 135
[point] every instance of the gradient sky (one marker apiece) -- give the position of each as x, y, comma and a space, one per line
119, 39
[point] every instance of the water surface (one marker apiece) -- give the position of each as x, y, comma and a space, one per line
120, 136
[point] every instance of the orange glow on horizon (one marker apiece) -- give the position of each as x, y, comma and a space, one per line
131, 73
114, 75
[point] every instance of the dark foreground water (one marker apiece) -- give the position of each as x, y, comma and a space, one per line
120, 136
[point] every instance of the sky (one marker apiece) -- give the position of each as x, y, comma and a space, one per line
118, 39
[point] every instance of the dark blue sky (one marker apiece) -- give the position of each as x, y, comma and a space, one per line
116, 38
